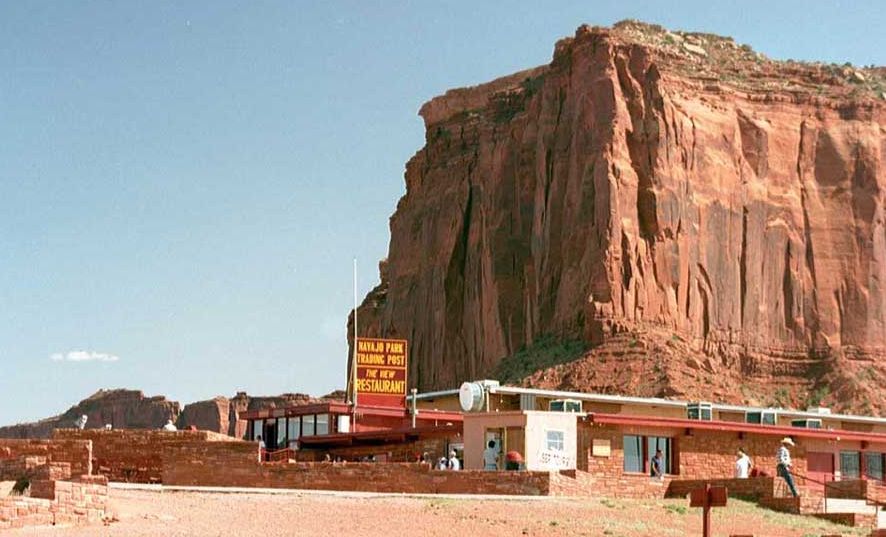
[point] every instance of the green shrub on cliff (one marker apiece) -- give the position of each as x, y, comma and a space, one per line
546, 351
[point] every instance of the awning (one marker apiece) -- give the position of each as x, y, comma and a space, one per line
731, 426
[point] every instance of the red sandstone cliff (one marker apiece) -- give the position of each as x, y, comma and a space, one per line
707, 222
119, 408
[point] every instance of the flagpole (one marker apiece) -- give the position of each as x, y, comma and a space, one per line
354, 358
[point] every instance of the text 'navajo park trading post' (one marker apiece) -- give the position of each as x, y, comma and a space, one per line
381, 372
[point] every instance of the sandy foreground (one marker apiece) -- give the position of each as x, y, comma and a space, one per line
152, 513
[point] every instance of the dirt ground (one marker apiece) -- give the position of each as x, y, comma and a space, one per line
146, 513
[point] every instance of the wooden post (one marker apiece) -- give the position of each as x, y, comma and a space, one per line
706, 512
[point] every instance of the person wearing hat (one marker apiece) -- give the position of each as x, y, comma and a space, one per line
783, 464
454, 463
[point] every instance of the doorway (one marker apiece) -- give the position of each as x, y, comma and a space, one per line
820, 467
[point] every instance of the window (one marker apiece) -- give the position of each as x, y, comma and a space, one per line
653, 444
873, 465
808, 424
281, 433
293, 431
322, 426
257, 426
639, 450
850, 467
763, 417
633, 449
555, 440
699, 411
307, 425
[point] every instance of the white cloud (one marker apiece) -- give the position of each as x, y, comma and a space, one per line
83, 356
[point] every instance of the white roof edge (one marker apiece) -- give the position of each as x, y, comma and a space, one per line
516, 390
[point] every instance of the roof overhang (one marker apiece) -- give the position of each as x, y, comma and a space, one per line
728, 426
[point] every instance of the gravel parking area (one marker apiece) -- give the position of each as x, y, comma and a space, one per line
152, 513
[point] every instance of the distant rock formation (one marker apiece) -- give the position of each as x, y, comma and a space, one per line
120, 408
130, 409
222, 415
709, 222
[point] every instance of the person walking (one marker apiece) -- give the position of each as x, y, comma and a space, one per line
743, 465
783, 464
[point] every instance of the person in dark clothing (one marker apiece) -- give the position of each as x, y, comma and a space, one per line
657, 466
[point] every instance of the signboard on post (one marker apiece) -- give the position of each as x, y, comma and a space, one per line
706, 498
381, 372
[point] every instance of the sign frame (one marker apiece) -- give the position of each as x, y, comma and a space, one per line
385, 366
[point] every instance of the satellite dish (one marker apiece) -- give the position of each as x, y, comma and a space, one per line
470, 396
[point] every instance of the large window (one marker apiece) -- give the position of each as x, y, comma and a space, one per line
655, 443
322, 424
633, 450
257, 426
850, 465
873, 465
294, 431
639, 450
554, 440
281, 433
307, 425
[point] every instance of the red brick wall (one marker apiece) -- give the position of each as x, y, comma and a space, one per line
399, 452
132, 455
76, 452
236, 464
701, 455
755, 487
849, 488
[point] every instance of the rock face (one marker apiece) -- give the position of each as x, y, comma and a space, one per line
130, 409
122, 409
674, 200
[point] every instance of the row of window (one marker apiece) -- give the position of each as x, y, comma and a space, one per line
282, 432
704, 412
639, 450
851, 465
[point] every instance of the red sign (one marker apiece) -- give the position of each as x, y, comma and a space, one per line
381, 372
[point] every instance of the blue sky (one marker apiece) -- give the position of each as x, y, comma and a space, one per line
184, 185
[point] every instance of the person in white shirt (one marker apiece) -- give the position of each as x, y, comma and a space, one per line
743, 465
81, 422
454, 463
170, 426
490, 457
783, 464
442, 464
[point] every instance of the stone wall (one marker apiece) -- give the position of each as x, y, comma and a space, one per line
54, 498
436, 447
752, 488
78, 453
132, 455
235, 464
698, 455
